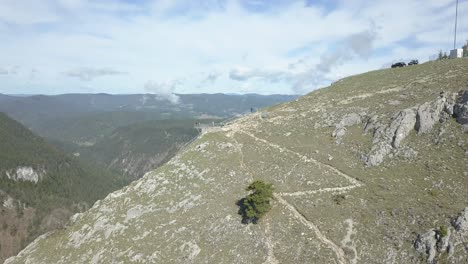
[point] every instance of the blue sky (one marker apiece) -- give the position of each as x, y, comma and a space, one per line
208, 46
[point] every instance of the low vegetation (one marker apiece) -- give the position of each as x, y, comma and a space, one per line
443, 231
339, 198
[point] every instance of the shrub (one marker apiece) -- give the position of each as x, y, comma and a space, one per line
433, 193
339, 198
255, 205
13, 231
442, 231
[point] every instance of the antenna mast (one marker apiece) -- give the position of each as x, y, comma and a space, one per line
456, 18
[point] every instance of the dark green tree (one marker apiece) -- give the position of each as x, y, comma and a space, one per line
440, 56
465, 49
445, 56
255, 205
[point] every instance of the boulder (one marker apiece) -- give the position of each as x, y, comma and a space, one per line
450, 103
402, 125
426, 244
428, 114
461, 222
348, 120
460, 110
378, 154
387, 138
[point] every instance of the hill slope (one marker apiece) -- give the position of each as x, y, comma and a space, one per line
360, 169
40, 187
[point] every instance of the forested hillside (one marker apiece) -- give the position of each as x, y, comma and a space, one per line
40, 186
138, 148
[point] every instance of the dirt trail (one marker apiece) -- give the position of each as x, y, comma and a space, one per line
353, 181
322, 190
271, 259
336, 249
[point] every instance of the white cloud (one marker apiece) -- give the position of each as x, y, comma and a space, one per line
9, 70
88, 74
270, 76
285, 47
164, 90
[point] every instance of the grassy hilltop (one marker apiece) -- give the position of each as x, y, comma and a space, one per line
363, 171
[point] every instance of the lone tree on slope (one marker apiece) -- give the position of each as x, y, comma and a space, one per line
255, 205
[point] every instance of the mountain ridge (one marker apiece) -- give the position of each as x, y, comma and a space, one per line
330, 206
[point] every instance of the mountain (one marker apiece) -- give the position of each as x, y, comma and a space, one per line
138, 148
372, 169
39, 112
41, 187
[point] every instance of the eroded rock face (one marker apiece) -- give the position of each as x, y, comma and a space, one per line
434, 245
388, 138
461, 222
460, 109
429, 114
422, 118
426, 244
402, 125
26, 174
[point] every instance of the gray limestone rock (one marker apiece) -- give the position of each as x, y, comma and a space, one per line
348, 120
378, 154
461, 222
402, 126
428, 115
426, 244
386, 139
460, 110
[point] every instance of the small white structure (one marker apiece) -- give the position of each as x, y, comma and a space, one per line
456, 53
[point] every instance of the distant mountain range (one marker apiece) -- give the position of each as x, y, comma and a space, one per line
89, 125
27, 108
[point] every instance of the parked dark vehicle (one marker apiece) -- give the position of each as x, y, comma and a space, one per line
413, 62
398, 64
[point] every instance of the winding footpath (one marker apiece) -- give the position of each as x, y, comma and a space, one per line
340, 255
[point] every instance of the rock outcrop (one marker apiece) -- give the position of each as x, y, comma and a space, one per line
437, 244
429, 114
388, 138
347, 121
461, 222
26, 173
426, 244
421, 118
460, 109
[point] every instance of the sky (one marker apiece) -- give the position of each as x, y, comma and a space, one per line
213, 46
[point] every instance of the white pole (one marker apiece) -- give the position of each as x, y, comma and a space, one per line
456, 18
